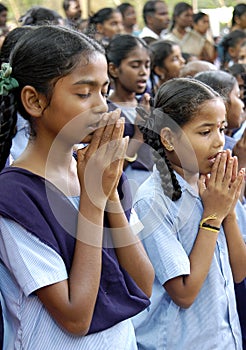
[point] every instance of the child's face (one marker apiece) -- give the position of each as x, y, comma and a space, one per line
173, 63
185, 19
202, 25
202, 138
80, 94
133, 72
234, 51
242, 54
112, 26
235, 108
130, 18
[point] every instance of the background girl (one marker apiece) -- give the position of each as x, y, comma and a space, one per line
182, 20
105, 24
229, 47
166, 62
129, 67
239, 17
191, 233
227, 86
55, 252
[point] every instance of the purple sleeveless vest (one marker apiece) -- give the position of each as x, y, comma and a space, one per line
26, 197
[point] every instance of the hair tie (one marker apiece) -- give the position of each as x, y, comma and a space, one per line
7, 83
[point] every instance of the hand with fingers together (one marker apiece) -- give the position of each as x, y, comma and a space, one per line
221, 190
100, 164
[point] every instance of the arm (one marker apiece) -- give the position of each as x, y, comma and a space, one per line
234, 238
130, 252
218, 196
184, 289
236, 247
71, 303
137, 140
239, 150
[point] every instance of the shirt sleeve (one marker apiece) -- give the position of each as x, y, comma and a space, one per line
166, 253
32, 263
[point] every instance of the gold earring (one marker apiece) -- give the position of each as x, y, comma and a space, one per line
169, 147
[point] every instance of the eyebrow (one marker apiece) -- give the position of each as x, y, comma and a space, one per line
90, 82
212, 124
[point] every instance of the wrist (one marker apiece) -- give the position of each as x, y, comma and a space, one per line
210, 223
231, 217
212, 219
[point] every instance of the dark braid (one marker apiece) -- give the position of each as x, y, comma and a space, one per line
8, 117
169, 181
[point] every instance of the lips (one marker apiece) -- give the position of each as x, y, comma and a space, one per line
212, 158
141, 83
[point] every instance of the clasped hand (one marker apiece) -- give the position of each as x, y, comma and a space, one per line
100, 164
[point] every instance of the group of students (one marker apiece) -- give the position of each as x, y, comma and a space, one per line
148, 250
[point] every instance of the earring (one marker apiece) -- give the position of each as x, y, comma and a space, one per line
169, 147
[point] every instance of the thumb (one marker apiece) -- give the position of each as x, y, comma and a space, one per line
202, 184
81, 154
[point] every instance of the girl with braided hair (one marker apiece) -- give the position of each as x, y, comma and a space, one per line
72, 271
193, 223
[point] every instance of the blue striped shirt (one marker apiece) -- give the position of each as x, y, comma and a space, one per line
170, 229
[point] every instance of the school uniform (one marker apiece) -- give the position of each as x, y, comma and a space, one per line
37, 240
170, 230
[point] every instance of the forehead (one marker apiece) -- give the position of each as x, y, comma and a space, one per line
94, 66
176, 49
115, 17
213, 111
139, 52
73, 4
160, 8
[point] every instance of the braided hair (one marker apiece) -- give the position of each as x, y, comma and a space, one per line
177, 101
8, 117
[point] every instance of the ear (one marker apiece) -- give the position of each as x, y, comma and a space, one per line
113, 70
149, 19
33, 101
160, 71
99, 28
167, 139
232, 52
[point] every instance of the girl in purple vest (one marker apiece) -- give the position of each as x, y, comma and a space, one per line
72, 269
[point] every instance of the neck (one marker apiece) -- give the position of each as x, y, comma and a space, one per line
53, 162
156, 31
128, 30
179, 31
190, 177
121, 96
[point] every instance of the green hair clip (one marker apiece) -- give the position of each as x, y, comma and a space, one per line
6, 82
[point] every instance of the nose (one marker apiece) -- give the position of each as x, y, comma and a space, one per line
219, 140
182, 60
100, 105
120, 28
144, 70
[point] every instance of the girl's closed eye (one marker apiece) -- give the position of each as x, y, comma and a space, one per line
84, 96
135, 65
205, 132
